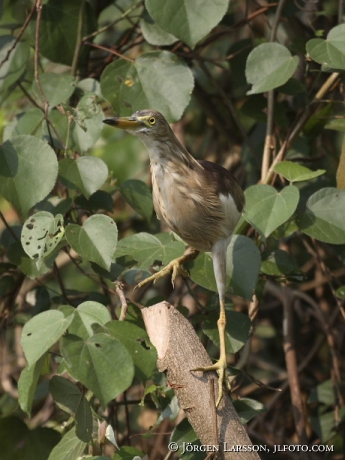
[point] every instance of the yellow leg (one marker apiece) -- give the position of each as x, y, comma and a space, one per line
221, 364
174, 267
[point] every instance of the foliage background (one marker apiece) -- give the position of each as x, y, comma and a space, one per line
247, 84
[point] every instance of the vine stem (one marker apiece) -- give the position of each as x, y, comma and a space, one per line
270, 140
332, 79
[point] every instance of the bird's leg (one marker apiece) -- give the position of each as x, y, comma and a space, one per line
219, 264
174, 267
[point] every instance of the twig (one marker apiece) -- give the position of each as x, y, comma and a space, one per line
270, 140
36, 58
332, 79
19, 36
111, 51
79, 38
124, 305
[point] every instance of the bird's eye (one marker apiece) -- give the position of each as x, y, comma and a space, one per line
152, 120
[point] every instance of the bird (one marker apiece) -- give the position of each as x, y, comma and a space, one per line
199, 200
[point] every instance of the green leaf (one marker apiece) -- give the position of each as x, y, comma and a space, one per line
201, 271
70, 399
147, 249
269, 66
277, 263
30, 123
87, 314
248, 408
266, 209
243, 265
85, 173
95, 241
41, 332
29, 267
324, 425
101, 363
156, 79
237, 330
69, 448
295, 172
136, 341
41, 233
139, 196
153, 34
330, 52
13, 68
60, 29
128, 453
57, 88
340, 292
323, 393
34, 444
189, 20
23, 160
323, 218
27, 384
88, 118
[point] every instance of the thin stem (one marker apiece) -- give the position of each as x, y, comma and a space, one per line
270, 140
36, 59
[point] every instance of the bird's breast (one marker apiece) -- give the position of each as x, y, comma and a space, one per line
197, 214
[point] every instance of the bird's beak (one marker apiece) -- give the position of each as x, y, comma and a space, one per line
128, 123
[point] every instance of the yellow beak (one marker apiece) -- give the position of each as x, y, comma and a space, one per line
123, 122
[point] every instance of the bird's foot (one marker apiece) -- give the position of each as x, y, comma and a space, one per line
221, 367
174, 267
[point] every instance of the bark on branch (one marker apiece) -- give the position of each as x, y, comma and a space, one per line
180, 350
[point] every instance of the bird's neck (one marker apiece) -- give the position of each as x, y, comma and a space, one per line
169, 153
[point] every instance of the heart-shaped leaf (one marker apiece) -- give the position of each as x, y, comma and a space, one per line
189, 20
68, 397
95, 241
243, 265
295, 172
101, 363
41, 332
136, 341
139, 196
330, 52
156, 79
147, 249
237, 329
323, 218
41, 233
269, 66
86, 173
266, 209
23, 160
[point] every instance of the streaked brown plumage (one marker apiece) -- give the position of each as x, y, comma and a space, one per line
199, 200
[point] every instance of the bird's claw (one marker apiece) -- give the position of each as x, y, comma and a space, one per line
221, 368
173, 267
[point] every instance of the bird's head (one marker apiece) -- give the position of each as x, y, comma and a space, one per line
143, 123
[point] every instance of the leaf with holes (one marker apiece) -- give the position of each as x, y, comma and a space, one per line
41, 233
95, 241
136, 341
266, 209
101, 363
41, 332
